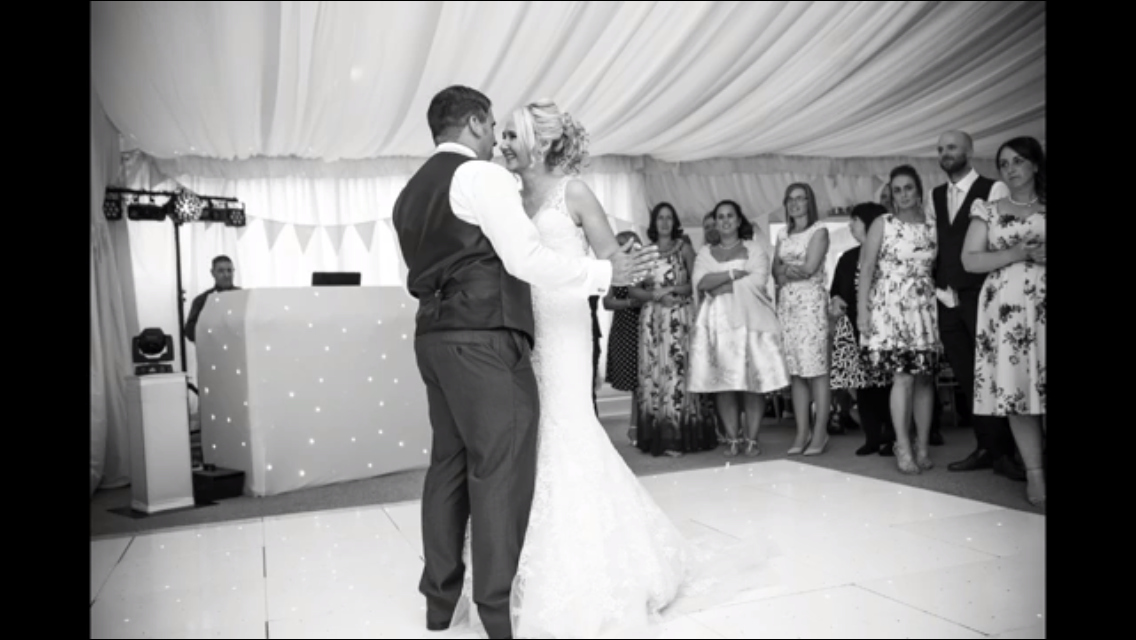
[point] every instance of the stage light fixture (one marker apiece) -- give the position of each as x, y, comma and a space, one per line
112, 206
153, 350
146, 211
216, 211
185, 206
236, 215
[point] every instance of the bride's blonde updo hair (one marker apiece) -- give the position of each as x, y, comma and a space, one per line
555, 135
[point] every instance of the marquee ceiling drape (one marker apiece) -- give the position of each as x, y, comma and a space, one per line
675, 82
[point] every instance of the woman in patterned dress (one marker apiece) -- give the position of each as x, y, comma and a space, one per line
802, 309
1006, 240
671, 419
849, 368
898, 316
623, 340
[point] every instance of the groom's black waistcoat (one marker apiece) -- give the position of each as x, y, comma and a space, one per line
455, 274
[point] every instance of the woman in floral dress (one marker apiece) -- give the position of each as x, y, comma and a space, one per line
898, 316
671, 420
802, 310
1006, 239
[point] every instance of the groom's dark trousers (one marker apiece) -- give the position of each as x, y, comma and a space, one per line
484, 412
473, 342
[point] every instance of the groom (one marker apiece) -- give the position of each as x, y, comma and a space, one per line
470, 250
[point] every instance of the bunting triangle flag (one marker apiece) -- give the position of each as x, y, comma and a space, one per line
305, 232
366, 231
402, 270
335, 233
242, 229
272, 229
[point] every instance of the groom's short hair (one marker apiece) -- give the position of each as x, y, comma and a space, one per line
452, 107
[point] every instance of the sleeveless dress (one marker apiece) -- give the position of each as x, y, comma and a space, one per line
671, 419
903, 331
802, 308
599, 557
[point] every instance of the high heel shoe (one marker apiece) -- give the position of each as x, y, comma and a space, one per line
923, 458
903, 461
796, 451
811, 451
1038, 476
631, 436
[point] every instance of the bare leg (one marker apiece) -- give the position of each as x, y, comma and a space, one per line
822, 394
755, 410
902, 392
802, 410
924, 408
1028, 435
728, 412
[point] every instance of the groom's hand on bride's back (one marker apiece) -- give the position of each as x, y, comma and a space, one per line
630, 265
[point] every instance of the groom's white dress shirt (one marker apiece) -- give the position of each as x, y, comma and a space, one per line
488, 196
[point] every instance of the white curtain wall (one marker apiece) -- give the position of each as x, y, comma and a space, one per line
111, 316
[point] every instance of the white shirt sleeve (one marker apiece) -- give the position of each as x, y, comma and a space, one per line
487, 195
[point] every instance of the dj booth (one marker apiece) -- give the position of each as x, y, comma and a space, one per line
301, 387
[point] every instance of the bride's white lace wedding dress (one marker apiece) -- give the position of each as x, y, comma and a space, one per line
599, 557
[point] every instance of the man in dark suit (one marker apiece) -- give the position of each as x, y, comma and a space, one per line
950, 205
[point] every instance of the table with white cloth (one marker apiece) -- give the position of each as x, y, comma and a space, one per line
302, 387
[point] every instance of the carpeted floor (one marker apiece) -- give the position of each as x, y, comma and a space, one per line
776, 438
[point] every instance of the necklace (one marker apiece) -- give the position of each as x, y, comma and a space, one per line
725, 248
1022, 204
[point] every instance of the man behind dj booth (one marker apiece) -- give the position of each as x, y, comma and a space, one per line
222, 281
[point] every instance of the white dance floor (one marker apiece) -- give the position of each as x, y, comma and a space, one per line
859, 558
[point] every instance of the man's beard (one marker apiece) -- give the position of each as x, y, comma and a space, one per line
952, 165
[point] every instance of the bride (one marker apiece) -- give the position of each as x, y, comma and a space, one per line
599, 555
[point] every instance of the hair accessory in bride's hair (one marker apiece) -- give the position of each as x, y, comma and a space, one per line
571, 150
